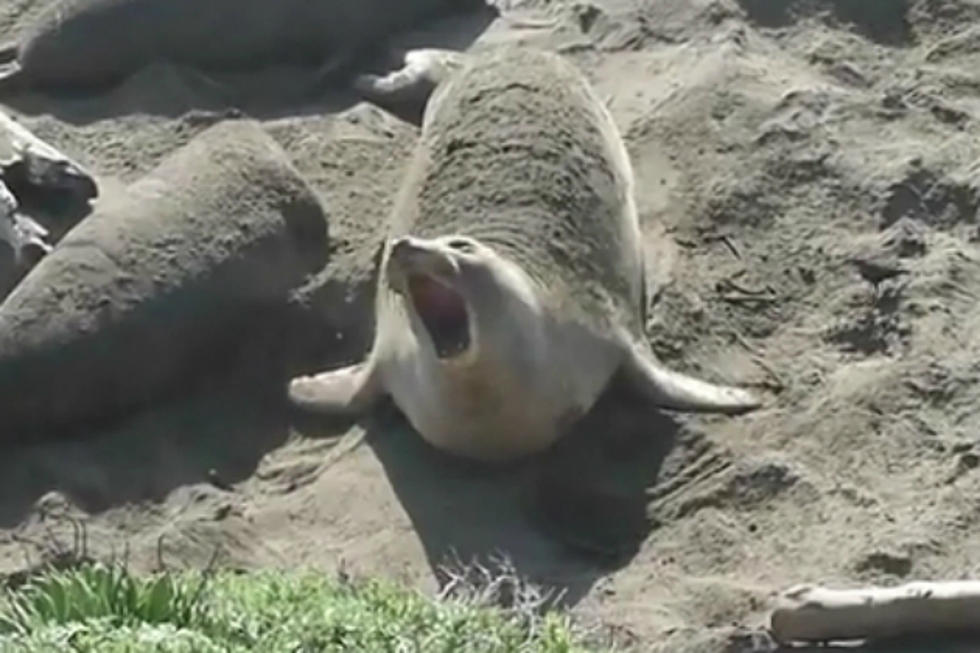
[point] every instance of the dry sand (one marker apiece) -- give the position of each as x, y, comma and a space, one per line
774, 141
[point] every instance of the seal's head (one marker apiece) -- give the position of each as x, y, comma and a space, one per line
455, 289
480, 380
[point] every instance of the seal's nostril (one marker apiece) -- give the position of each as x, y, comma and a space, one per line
398, 247
407, 246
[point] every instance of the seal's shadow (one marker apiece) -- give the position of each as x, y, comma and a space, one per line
562, 519
215, 429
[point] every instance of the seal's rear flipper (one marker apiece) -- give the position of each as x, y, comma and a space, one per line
408, 89
344, 391
670, 389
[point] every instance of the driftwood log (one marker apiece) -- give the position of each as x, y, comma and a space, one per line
808, 613
31, 168
27, 159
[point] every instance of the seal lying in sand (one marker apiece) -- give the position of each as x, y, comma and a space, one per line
511, 290
79, 43
159, 283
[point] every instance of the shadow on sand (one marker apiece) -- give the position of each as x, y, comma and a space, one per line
562, 520
216, 431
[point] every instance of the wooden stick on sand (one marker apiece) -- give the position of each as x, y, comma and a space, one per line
808, 613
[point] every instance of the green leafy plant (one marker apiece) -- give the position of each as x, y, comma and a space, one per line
102, 608
99, 591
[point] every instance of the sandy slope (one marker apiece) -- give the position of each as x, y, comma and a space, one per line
773, 141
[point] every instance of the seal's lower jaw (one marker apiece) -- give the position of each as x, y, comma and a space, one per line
444, 313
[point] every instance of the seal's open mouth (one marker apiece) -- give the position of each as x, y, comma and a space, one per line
444, 314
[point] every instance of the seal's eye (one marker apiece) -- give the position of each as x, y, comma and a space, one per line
464, 246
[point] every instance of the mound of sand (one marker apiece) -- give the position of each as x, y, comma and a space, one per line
815, 166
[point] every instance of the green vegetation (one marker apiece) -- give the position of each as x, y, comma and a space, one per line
105, 608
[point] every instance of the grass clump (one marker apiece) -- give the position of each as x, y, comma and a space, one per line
97, 607
101, 592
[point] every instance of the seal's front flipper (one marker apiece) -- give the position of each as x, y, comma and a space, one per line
413, 83
344, 392
670, 389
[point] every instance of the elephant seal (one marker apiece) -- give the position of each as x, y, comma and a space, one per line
511, 289
86, 43
160, 283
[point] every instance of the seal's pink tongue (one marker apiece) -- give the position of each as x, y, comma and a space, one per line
444, 313
437, 301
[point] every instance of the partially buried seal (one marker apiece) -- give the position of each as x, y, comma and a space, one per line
86, 43
511, 290
159, 284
